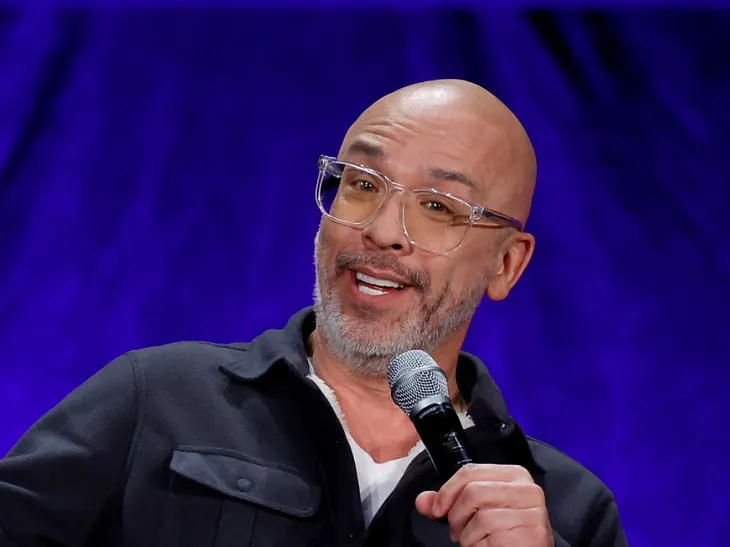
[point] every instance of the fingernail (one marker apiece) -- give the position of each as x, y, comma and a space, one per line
436, 509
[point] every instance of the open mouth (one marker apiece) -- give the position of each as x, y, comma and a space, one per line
374, 286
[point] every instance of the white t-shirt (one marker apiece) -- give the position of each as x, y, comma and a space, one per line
376, 480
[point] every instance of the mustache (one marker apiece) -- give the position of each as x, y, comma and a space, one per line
345, 260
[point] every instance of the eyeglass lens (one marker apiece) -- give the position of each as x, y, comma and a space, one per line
432, 220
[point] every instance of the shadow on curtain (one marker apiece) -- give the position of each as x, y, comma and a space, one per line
157, 172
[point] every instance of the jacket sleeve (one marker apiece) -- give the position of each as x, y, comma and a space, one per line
56, 479
603, 528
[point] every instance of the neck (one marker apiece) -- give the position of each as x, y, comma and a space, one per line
375, 422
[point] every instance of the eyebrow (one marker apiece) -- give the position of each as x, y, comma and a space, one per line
453, 176
367, 148
375, 151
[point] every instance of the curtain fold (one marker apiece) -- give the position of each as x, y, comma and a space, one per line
157, 173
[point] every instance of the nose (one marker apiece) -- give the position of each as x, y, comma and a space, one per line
385, 231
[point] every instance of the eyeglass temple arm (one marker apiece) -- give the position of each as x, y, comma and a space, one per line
483, 212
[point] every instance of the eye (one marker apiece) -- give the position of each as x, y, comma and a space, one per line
364, 185
436, 206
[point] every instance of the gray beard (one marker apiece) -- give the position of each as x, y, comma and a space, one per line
367, 351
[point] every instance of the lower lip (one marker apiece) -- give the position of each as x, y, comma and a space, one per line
389, 295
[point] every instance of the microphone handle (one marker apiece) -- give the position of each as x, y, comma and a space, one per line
443, 436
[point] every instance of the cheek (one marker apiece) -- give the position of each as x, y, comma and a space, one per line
468, 271
334, 237
444, 275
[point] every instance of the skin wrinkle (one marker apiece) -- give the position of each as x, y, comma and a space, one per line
368, 153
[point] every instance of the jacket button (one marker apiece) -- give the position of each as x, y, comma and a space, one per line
245, 484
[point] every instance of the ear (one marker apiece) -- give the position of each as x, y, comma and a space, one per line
510, 261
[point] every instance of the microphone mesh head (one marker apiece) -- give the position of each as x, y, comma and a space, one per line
414, 376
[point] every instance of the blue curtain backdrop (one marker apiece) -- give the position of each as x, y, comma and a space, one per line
157, 171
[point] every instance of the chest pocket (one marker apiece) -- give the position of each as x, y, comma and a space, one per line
223, 498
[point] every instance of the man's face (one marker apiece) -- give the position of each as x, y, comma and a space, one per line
365, 322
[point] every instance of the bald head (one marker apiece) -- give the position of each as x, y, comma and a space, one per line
450, 136
453, 122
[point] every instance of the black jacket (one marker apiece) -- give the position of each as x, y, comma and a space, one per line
205, 445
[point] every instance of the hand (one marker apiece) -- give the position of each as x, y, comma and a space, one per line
491, 506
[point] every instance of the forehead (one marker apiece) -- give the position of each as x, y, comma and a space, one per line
453, 148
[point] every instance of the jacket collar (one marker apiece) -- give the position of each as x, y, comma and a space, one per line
273, 348
487, 407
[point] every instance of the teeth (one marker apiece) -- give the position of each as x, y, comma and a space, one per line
375, 281
370, 290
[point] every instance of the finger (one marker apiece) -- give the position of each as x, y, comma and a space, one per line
495, 472
495, 523
517, 536
424, 503
477, 472
478, 496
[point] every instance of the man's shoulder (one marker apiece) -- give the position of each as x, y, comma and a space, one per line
564, 476
186, 356
185, 373
244, 359
191, 351
581, 506
182, 365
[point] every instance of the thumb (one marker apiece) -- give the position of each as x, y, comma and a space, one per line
424, 503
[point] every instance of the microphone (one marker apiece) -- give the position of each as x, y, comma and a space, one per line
420, 389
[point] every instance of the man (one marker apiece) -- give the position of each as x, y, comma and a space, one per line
293, 439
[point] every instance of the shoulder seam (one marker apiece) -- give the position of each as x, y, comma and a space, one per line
221, 346
140, 392
576, 462
546, 445
230, 346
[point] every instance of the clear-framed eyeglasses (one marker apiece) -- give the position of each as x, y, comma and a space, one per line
434, 221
